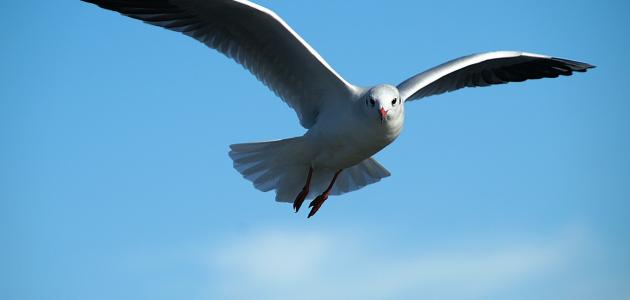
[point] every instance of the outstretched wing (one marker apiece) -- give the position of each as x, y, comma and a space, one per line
254, 37
485, 69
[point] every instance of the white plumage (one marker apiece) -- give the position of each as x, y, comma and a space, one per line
346, 124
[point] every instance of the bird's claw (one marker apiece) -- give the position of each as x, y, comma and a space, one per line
316, 204
299, 200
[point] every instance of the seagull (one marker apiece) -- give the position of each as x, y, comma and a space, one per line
345, 124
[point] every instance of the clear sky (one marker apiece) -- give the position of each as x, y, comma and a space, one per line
115, 181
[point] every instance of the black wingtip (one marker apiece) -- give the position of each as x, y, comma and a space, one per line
576, 66
102, 3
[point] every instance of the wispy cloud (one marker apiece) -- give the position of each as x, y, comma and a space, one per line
274, 258
284, 264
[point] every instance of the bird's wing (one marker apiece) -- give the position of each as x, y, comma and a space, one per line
486, 69
254, 37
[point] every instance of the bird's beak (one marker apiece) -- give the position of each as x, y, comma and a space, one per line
383, 114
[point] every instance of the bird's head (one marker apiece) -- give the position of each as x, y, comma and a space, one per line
382, 103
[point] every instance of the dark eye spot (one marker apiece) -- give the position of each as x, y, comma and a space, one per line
394, 101
372, 102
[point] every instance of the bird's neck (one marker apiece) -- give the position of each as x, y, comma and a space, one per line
394, 126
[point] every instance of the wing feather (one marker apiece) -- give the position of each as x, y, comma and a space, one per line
254, 37
486, 69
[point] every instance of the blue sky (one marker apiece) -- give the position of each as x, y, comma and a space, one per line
115, 181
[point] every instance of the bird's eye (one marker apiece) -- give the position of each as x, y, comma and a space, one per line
372, 102
394, 101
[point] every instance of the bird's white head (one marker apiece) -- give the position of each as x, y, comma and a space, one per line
383, 104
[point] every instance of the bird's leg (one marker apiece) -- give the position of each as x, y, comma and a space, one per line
302, 195
317, 203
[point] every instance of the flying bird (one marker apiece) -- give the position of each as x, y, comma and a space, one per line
346, 124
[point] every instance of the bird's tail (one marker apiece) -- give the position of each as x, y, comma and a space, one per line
283, 166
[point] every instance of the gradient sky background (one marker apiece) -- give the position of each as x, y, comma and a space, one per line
115, 181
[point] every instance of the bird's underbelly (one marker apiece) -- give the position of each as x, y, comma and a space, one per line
340, 151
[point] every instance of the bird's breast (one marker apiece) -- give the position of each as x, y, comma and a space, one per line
342, 145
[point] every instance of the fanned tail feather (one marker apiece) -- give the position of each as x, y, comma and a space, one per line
283, 166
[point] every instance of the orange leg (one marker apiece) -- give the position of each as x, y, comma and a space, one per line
302, 195
317, 203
